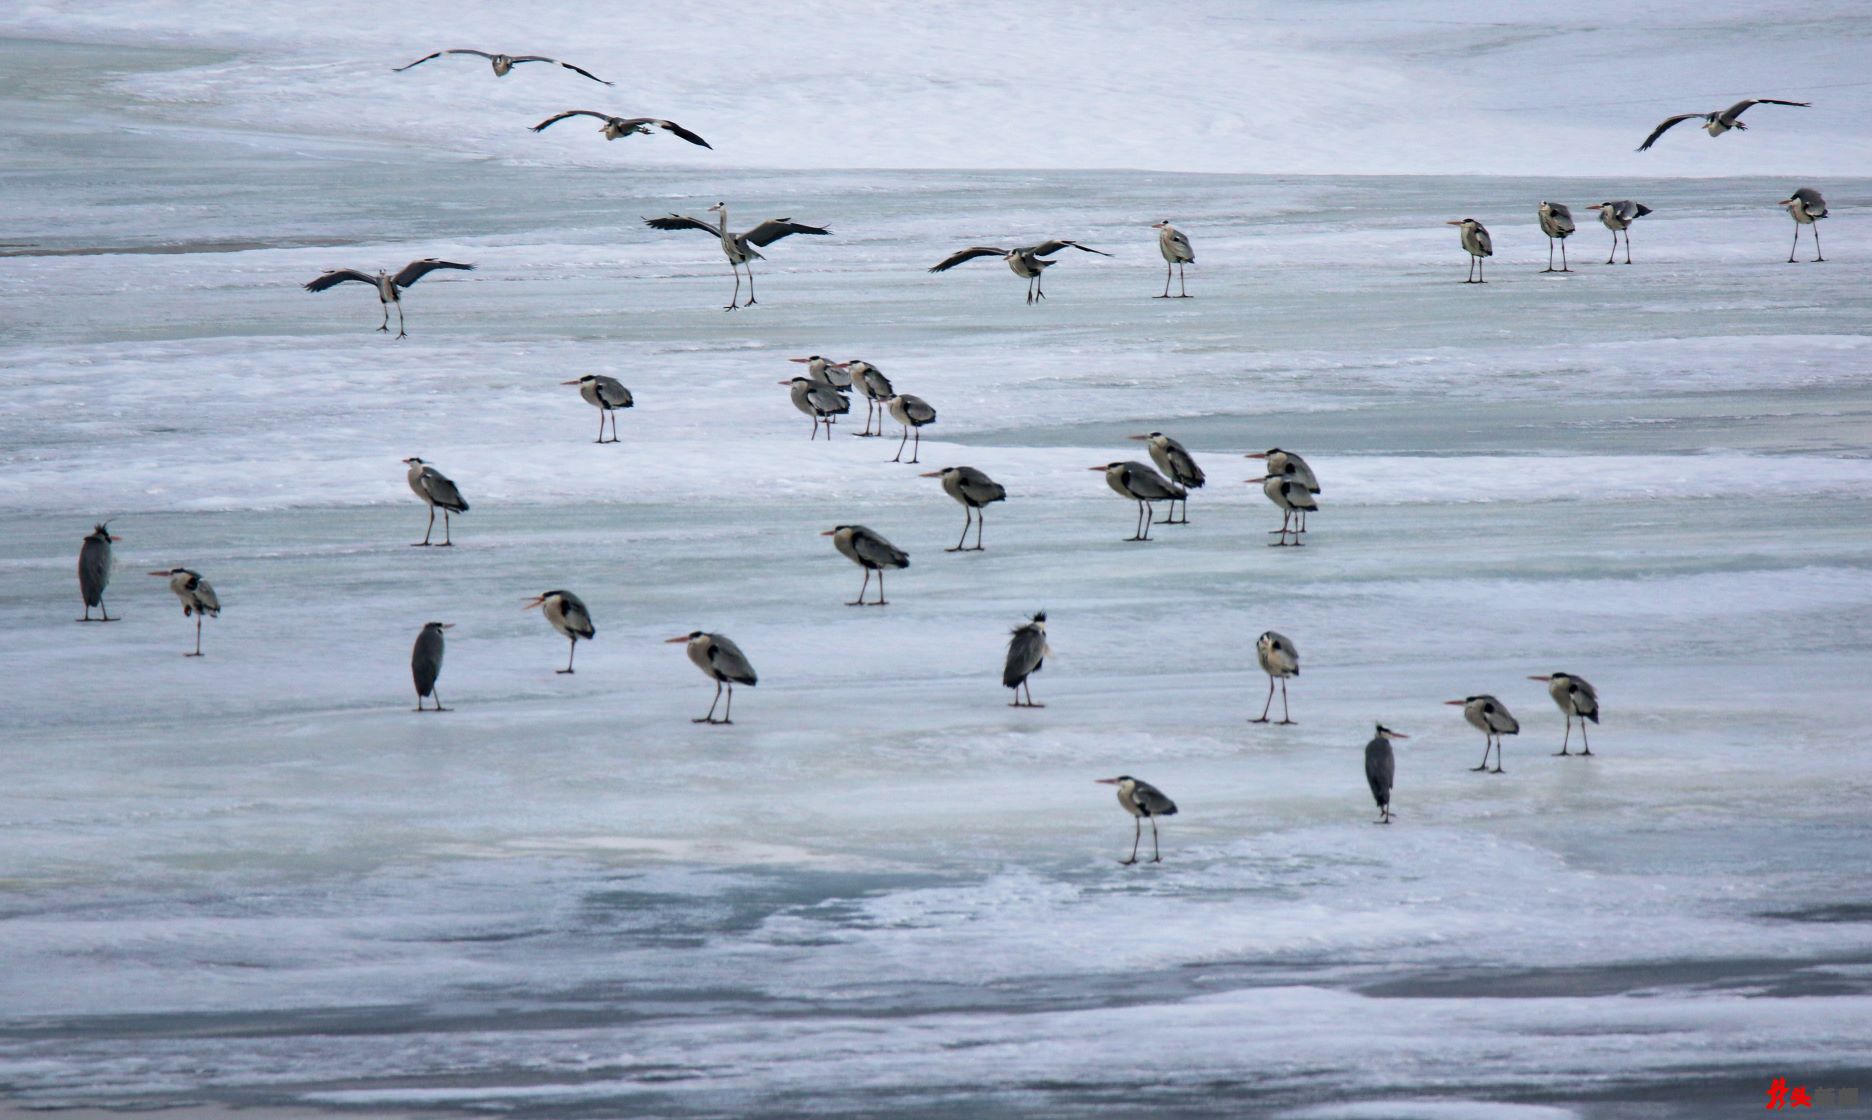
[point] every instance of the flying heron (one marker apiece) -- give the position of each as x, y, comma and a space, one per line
1292, 497
913, 413
1477, 243
975, 490
870, 381
1293, 468
389, 288
1027, 652
567, 614
1718, 122
616, 128
1176, 253
722, 662
1556, 221
437, 489
503, 63
1380, 768
1279, 660
1617, 216
1487, 715
869, 551
1025, 261
607, 394
1132, 479
1574, 696
94, 570
1174, 460
197, 598
740, 248
818, 400
1806, 207
1141, 799
425, 663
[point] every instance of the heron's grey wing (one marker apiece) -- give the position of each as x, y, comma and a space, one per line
416, 270
1025, 653
1484, 242
980, 489
1187, 472
681, 221
1180, 241
730, 662
678, 130
426, 660
576, 616
1152, 800
613, 393
1740, 107
94, 561
827, 399
1299, 496
1148, 484
205, 598
333, 279
969, 254
519, 58
439, 54
773, 229
1669, 123
1585, 699
1380, 769
1047, 248
443, 491
557, 117
919, 410
873, 549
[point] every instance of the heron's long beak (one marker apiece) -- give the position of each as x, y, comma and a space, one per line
536, 601
1105, 781
801, 361
829, 532
1390, 734
1252, 481
1540, 678
930, 474
1101, 470
787, 382
159, 573
574, 381
1456, 703
676, 641
448, 626
1256, 455
1137, 437
1452, 223
835, 365
115, 539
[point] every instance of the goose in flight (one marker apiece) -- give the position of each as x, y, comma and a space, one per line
740, 248
389, 288
1025, 261
504, 62
616, 128
1718, 122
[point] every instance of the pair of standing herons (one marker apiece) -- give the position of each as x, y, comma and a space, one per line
95, 558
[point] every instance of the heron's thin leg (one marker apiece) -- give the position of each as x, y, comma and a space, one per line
1816, 232
1150, 513
447, 540
1563, 264
750, 283
1286, 718
573, 652
1030, 281
1627, 261
1182, 282
1028, 684
419, 702
1550, 266
385, 304
981, 518
1137, 835
728, 712
1487, 743
1156, 853
438, 700
1614, 253
197, 653
1039, 286
1568, 737
424, 543
400, 331
965, 528
1586, 747
1481, 271
1270, 702
862, 588
917, 450
1498, 745
898, 458
734, 301
1167, 271
710, 718
881, 601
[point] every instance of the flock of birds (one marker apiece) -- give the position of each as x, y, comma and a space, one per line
823, 393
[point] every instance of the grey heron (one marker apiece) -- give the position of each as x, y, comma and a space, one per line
567, 614
1575, 697
869, 551
1027, 652
740, 248
1176, 253
819, 368
503, 63
870, 381
722, 662
1293, 497
616, 128
1381, 768
1279, 660
1025, 261
1141, 800
1488, 715
975, 490
197, 598
1806, 207
1718, 122
1289, 465
1477, 243
818, 400
94, 570
1174, 460
607, 394
437, 489
1132, 479
1617, 216
425, 663
389, 288
913, 413
1556, 221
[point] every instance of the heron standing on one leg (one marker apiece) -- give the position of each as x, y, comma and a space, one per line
1380, 768
1487, 715
1279, 660
974, 490
1141, 799
198, 599
722, 662
94, 570
1027, 652
1574, 697
437, 489
567, 614
426, 663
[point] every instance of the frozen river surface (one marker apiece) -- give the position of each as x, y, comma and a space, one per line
259, 880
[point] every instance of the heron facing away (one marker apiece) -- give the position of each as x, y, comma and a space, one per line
913, 413
1025, 261
425, 663
439, 491
1141, 799
1381, 768
616, 128
722, 662
197, 598
1718, 122
1477, 243
1487, 715
1617, 216
567, 614
870, 381
741, 249
1176, 253
607, 394
94, 570
503, 63
974, 490
1279, 660
1574, 697
1132, 479
1292, 497
1556, 221
1806, 207
1027, 652
1174, 460
1293, 468
818, 400
389, 288
869, 551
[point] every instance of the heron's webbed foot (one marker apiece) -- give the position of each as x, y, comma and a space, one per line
1585, 752
1497, 770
